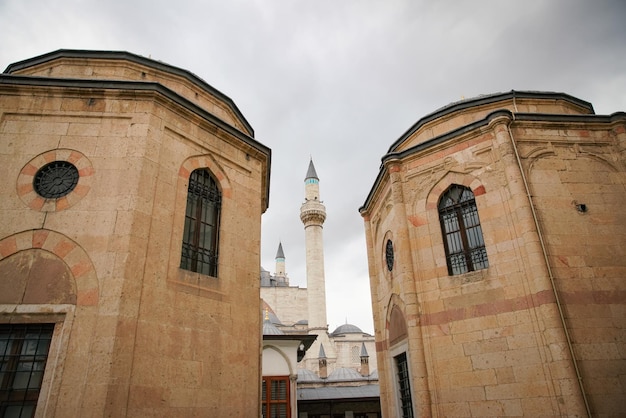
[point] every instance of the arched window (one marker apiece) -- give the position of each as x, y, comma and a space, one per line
463, 236
200, 237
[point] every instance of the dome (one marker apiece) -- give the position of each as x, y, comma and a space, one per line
270, 329
274, 319
345, 373
305, 375
347, 329
303, 322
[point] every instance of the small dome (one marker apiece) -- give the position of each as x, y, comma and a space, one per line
274, 319
303, 322
270, 329
345, 373
305, 375
347, 329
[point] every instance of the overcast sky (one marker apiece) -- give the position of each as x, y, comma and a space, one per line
340, 81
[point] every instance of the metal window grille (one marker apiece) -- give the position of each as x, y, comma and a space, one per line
200, 236
275, 397
463, 236
404, 386
23, 355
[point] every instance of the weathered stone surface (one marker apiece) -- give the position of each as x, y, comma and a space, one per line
138, 336
493, 341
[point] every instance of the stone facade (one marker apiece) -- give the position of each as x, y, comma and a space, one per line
515, 338
134, 334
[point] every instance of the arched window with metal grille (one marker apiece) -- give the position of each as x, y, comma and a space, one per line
460, 226
202, 216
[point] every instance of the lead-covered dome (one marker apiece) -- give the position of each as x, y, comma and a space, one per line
346, 329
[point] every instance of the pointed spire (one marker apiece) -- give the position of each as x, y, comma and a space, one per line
311, 174
364, 351
365, 361
322, 353
280, 253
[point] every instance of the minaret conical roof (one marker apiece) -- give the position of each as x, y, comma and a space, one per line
364, 351
310, 173
280, 253
322, 353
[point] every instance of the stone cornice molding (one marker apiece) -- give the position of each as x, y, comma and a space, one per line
491, 120
133, 58
15, 83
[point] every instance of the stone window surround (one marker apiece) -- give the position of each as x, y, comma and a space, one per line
62, 316
26, 191
181, 279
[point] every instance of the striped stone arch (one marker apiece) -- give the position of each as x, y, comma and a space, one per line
450, 178
68, 251
396, 327
224, 184
202, 161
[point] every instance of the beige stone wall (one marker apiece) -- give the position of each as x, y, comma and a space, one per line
458, 115
143, 338
291, 304
585, 249
492, 342
94, 68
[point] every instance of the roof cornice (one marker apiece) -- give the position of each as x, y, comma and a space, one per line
148, 87
138, 59
502, 113
487, 99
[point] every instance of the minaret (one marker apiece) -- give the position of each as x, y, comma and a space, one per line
323, 367
280, 265
313, 214
365, 361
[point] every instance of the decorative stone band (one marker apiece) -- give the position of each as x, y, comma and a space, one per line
313, 217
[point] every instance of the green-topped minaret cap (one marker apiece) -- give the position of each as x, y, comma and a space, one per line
280, 253
311, 174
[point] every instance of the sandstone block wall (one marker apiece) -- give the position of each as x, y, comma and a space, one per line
493, 342
135, 335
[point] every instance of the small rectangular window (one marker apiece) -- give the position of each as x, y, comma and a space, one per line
275, 397
23, 355
404, 385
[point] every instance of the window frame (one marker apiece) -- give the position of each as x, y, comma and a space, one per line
202, 213
403, 385
17, 339
267, 403
466, 258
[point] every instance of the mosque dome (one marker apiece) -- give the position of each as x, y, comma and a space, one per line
271, 329
305, 375
346, 329
345, 373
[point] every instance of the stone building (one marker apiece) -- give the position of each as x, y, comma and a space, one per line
337, 376
496, 237
131, 198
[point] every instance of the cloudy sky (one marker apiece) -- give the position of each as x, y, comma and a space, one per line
339, 81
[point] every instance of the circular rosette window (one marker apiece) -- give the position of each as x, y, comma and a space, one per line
55, 180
